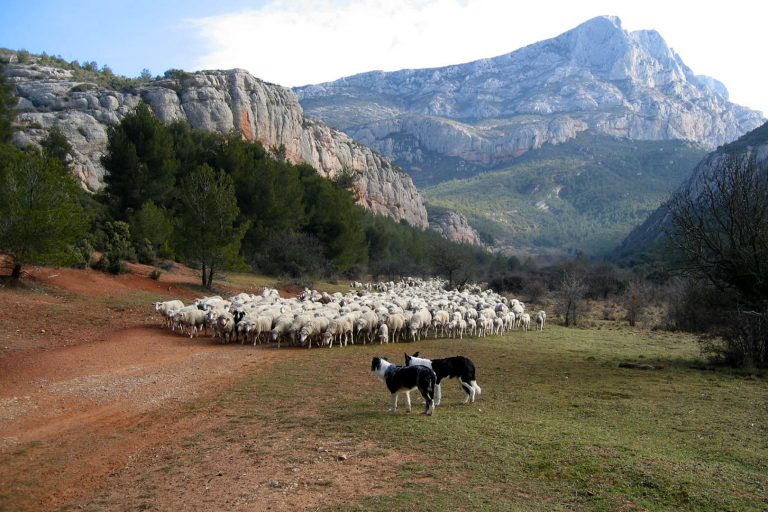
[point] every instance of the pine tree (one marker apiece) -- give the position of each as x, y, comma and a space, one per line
140, 162
40, 216
208, 230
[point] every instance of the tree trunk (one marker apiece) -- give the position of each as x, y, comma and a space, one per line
16, 273
204, 276
209, 284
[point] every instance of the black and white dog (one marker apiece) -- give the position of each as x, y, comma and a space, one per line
401, 378
457, 366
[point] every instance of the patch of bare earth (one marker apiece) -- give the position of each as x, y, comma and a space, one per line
101, 409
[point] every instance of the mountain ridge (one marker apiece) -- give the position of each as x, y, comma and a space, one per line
596, 76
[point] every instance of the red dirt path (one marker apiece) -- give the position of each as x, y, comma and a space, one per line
95, 396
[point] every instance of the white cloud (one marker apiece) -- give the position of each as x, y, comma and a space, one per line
300, 42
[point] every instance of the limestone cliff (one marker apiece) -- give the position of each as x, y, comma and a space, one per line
455, 227
209, 100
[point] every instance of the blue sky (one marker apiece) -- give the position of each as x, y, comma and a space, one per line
127, 36
296, 42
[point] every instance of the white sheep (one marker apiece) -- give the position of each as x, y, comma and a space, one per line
382, 334
420, 322
440, 319
189, 318
541, 317
255, 326
339, 328
395, 325
167, 309
525, 321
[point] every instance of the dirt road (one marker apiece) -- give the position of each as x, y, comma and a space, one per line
102, 409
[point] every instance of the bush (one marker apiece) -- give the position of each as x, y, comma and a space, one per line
155, 274
145, 252
82, 253
293, 254
501, 283
112, 265
115, 242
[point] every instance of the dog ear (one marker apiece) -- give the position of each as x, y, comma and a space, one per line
415, 354
407, 358
384, 358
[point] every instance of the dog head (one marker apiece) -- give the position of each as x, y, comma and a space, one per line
376, 363
379, 366
415, 360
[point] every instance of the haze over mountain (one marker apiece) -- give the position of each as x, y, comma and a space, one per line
590, 87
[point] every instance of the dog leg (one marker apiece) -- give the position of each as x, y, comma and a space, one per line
429, 407
438, 394
393, 405
408, 400
468, 391
477, 389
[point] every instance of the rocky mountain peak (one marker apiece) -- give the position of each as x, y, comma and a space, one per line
481, 114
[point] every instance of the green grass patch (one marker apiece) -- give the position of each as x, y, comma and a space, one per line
559, 425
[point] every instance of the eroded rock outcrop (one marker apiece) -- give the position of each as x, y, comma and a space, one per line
455, 227
212, 100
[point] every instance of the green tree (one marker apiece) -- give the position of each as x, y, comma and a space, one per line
56, 145
7, 112
40, 215
207, 228
140, 162
154, 224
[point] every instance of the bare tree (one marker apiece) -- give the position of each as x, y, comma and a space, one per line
573, 288
636, 299
721, 227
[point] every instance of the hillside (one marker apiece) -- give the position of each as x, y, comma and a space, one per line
648, 236
584, 195
85, 105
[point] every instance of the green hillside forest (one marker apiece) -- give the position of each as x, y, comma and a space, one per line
581, 196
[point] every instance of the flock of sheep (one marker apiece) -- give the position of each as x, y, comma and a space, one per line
383, 312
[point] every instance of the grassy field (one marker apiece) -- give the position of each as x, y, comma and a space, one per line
559, 425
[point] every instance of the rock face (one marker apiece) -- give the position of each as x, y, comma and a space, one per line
212, 100
652, 231
596, 76
455, 227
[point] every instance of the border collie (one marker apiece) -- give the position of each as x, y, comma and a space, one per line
401, 378
457, 366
